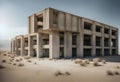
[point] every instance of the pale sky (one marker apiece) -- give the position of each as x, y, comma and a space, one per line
14, 14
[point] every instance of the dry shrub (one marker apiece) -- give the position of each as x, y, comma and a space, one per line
58, 73
4, 61
104, 61
17, 60
87, 61
96, 61
10, 63
12, 56
9, 55
67, 73
5, 54
21, 59
2, 67
83, 63
50, 59
109, 72
116, 73
27, 57
77, 61
9, 52
11, 60
14, 64
118, 67
35, 63
20, 64
29, 61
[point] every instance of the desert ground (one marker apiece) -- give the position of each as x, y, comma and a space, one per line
26, 69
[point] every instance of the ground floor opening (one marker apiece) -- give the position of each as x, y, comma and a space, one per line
98, 52
87, 52
114, 52
45, 52
34, 53
106, 52
61, 52
74, 52
26, 52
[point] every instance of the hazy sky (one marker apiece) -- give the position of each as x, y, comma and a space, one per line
14, 13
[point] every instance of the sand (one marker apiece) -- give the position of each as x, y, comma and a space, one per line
44, 70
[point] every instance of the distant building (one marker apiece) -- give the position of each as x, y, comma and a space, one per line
57, 34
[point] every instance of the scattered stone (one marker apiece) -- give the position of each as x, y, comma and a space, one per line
116, 73
104, 61
58, 73
109, 72
3, 61
67, 73
78, 61
118, 67
2, 67
20, 64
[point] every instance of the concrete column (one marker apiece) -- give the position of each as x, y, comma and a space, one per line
22, 45
117, 42
39, 45
16, 46
12, 46
110, 40
78, 45
68, 45
29, 45
102, 41
80, 39
54, 44
32, 24
93, 40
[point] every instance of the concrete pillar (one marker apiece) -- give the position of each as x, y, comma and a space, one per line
102, 41
54, 44
16, 46
32, 24
80, 39
93, 40
68, 45
22, 45
12, 46
78, 45
110, 40
117, 42
29, 45
39, 45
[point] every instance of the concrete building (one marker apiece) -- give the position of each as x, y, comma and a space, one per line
57, 34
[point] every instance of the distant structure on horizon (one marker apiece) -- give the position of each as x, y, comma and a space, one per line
57, 34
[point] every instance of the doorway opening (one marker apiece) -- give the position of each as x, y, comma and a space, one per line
61, 52
45, 52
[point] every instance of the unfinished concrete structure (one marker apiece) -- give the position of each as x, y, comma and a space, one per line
57, 34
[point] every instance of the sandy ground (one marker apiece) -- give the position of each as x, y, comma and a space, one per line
44, 70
